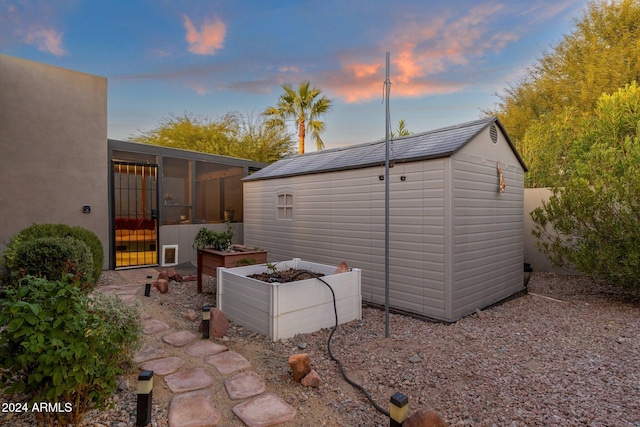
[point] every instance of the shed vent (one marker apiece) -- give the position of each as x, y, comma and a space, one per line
494, 134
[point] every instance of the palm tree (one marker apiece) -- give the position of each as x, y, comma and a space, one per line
402, 130
305, 106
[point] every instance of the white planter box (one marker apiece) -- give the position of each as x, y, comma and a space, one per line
282, 310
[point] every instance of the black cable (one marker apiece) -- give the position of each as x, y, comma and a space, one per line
344, 375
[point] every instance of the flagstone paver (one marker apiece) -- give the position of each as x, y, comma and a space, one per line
153, 326
193, 403
189, 380
228, 362
194, 409
147, 353
205, 348
265, 410
244, 385
165, 366
179, 338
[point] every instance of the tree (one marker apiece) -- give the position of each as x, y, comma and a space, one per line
233, 135
592, 222
600, 55
304, 106
402, 130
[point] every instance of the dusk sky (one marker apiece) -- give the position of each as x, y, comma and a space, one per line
207, 58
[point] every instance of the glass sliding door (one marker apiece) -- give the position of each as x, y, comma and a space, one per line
135, 214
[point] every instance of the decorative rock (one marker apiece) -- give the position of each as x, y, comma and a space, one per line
342, 268
191, 278
171, 273
161, 285
424, 418
300, 365
312, 379
190, 315
302, 345
177, 277
163, 275
218, 323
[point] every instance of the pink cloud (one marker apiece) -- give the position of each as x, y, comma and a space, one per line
208, 39
421, 52
47, 40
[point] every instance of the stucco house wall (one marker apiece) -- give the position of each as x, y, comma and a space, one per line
53, 148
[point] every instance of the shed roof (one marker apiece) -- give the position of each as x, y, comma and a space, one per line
421, 146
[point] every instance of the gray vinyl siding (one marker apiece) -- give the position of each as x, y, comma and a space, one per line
487, 234
339, 216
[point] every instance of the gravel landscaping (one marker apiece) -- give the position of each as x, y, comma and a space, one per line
566, 354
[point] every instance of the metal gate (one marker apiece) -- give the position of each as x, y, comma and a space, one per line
135, 214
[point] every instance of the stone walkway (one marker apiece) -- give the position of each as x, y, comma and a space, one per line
193, 403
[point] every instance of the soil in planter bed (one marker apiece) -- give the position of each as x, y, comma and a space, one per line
290, 275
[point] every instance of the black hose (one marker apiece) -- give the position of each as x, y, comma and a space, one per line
354, 384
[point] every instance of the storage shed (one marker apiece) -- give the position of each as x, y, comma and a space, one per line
456, 217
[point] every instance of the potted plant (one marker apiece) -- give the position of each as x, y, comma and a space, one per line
217, 240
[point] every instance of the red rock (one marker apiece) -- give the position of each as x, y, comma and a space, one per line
163, 275
162, 286
312, 379
424, 418
190, 315
177, 277
342, 268
171, 273
191, 278
218, 323
300, 365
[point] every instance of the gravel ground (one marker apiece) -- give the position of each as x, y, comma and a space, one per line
566, 354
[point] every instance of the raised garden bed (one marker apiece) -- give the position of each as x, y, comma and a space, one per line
210, 259
282, 310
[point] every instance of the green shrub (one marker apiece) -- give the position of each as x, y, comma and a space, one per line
59, 345
592, 222
57, 230
219, 241
54, 258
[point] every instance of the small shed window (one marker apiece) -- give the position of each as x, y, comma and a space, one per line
285, 206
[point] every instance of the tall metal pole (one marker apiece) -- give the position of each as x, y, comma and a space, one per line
387, 86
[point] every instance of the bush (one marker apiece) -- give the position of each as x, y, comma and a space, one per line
59, 345
57, 230
592, 222
54, 258
219, 241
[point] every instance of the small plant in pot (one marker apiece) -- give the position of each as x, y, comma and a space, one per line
216, 240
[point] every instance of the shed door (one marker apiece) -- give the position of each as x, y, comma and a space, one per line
135, 214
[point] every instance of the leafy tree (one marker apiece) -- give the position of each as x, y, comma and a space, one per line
592, 222
233, 135
402, 130
600, 55
304, 106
